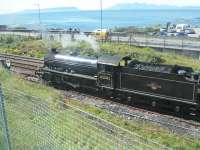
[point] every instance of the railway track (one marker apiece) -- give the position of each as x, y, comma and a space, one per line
25, 66
28, 66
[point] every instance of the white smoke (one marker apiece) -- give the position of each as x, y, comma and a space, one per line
89, 39
44, 35
67, 40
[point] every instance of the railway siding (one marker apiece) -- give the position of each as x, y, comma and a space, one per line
26, 66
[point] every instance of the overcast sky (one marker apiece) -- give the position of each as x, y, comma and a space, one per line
8, 6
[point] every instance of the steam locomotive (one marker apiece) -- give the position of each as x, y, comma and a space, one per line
164, 87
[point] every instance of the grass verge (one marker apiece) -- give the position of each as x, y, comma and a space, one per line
150, 131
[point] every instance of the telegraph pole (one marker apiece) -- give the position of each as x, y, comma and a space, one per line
39, 13
101, 5
39, 18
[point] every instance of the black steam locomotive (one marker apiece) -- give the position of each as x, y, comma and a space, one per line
163, 87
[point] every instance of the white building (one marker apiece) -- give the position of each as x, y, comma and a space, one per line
182, 27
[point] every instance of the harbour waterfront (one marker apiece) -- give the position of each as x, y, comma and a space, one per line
90, 20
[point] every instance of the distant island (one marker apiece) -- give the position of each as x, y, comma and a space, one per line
144, 6
49, 10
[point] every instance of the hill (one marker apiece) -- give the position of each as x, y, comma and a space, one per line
50, 10
144, 6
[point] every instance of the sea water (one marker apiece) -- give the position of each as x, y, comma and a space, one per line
90, 20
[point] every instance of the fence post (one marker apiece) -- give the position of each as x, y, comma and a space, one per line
118, 38
3, 118
130, 40
146, 41
164, 43
182, 43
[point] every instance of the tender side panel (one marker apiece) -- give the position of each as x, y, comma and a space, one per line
167, 88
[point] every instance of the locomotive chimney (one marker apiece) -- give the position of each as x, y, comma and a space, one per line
54, 50
126, 59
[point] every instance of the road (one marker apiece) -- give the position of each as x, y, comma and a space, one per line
156, 42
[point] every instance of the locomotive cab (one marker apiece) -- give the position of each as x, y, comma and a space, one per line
107, 71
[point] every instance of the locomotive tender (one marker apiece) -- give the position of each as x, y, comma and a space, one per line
174, 88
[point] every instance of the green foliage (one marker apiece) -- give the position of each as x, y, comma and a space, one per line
132, 29
20, 28
9, 40
149, 55
20, 45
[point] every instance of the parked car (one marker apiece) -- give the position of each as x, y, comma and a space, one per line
180, 34
163, 30
162, 34
189, 31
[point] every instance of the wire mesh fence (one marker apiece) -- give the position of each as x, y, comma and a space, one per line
54, 124
184, 46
